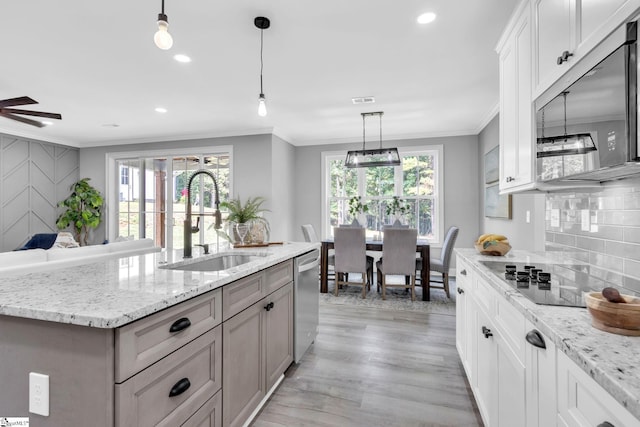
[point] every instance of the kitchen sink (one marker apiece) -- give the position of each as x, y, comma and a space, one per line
216, 263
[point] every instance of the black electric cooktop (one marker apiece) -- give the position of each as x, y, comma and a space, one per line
548, 284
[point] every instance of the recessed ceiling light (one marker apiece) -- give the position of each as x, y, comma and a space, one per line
182, 58
161, 110
425, 18
47, 123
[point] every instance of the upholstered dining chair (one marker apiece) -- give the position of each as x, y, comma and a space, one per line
351, 257
398, 259
442, 265
310, 236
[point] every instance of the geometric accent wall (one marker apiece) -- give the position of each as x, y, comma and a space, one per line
34, 177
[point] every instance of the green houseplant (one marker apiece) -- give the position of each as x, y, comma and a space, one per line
247, 213
356, 207
83, 210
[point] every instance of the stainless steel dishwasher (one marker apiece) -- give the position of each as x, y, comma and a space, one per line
306, 299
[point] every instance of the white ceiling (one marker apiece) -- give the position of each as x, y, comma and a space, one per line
96, 64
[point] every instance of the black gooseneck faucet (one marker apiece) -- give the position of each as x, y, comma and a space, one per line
188, 228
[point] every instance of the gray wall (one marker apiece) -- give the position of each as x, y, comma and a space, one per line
255, 172
34, 177
461, 201
522, 235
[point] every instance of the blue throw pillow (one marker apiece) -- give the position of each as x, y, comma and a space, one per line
40, 241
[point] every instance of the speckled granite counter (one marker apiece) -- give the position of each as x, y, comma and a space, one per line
114, 292
613, 361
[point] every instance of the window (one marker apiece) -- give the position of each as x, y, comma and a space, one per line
150, 202
417, 183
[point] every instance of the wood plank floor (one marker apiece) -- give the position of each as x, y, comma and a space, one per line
375, 367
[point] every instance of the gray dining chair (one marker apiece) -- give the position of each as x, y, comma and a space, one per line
398, 259
351, 257
442, 265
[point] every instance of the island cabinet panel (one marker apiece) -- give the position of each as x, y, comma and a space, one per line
170, 391
141, 343
241, 294
78, 361
209, 415
279, 330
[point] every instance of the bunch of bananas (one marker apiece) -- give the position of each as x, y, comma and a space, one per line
490, 239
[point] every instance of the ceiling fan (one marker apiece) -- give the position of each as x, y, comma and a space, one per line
10, 113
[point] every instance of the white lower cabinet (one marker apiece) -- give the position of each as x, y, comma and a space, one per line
517, 375
582, 402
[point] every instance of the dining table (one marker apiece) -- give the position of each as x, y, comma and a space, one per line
422, 247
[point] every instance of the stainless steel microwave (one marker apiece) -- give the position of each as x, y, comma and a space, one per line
587, 122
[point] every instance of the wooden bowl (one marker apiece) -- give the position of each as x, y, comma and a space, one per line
617, 318
495, 248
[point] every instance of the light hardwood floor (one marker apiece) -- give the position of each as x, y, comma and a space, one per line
375, 367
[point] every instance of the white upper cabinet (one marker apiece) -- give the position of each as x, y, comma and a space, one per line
566, 30
516, 110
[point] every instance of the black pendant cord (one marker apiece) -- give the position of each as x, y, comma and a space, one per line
163, 7
261, 61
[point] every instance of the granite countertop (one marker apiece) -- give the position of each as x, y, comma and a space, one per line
611, 360
114, 292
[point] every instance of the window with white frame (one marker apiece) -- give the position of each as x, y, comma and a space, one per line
151, 202
416, 184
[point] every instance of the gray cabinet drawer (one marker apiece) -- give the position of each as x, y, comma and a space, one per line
242, 294
278, 276
144, 400
141, 343
210, 415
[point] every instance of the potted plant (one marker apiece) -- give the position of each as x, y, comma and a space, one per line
254, 227
398, 208
356, 208
83, 210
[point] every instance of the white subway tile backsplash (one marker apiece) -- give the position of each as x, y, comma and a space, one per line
601, 227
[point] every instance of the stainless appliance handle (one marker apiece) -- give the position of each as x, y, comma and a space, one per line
309, 266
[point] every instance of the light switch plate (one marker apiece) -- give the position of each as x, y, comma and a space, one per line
39, 394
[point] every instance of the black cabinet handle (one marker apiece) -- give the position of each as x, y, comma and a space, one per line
180, 325
486, 332
463, 272
606, 424
180, 387
510, 178
564, 57
536, 339
269, 306
460, 291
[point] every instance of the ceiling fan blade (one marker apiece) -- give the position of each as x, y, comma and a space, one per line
23, 100
31, 113
23, 120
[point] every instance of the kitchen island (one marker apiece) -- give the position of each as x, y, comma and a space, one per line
582, 376
121, 339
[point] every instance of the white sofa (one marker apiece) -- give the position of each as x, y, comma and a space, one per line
33, 260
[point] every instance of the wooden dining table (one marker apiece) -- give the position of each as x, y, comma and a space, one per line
422, 247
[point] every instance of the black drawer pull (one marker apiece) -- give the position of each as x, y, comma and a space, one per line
606, 424
564, 57
269, 306
180, 325
180, 387
486, 332
536, 339
463, 272
460, 291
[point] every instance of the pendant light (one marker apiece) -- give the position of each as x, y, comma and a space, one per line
376, 157
262, 23
564, 145
162, 38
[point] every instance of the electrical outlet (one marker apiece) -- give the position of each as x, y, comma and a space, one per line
39, 394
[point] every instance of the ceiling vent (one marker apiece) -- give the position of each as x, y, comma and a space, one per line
363, 100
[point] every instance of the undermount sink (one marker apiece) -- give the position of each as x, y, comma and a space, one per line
217, 263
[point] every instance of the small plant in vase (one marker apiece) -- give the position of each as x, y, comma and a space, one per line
356, 207
398, 209
245, 223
